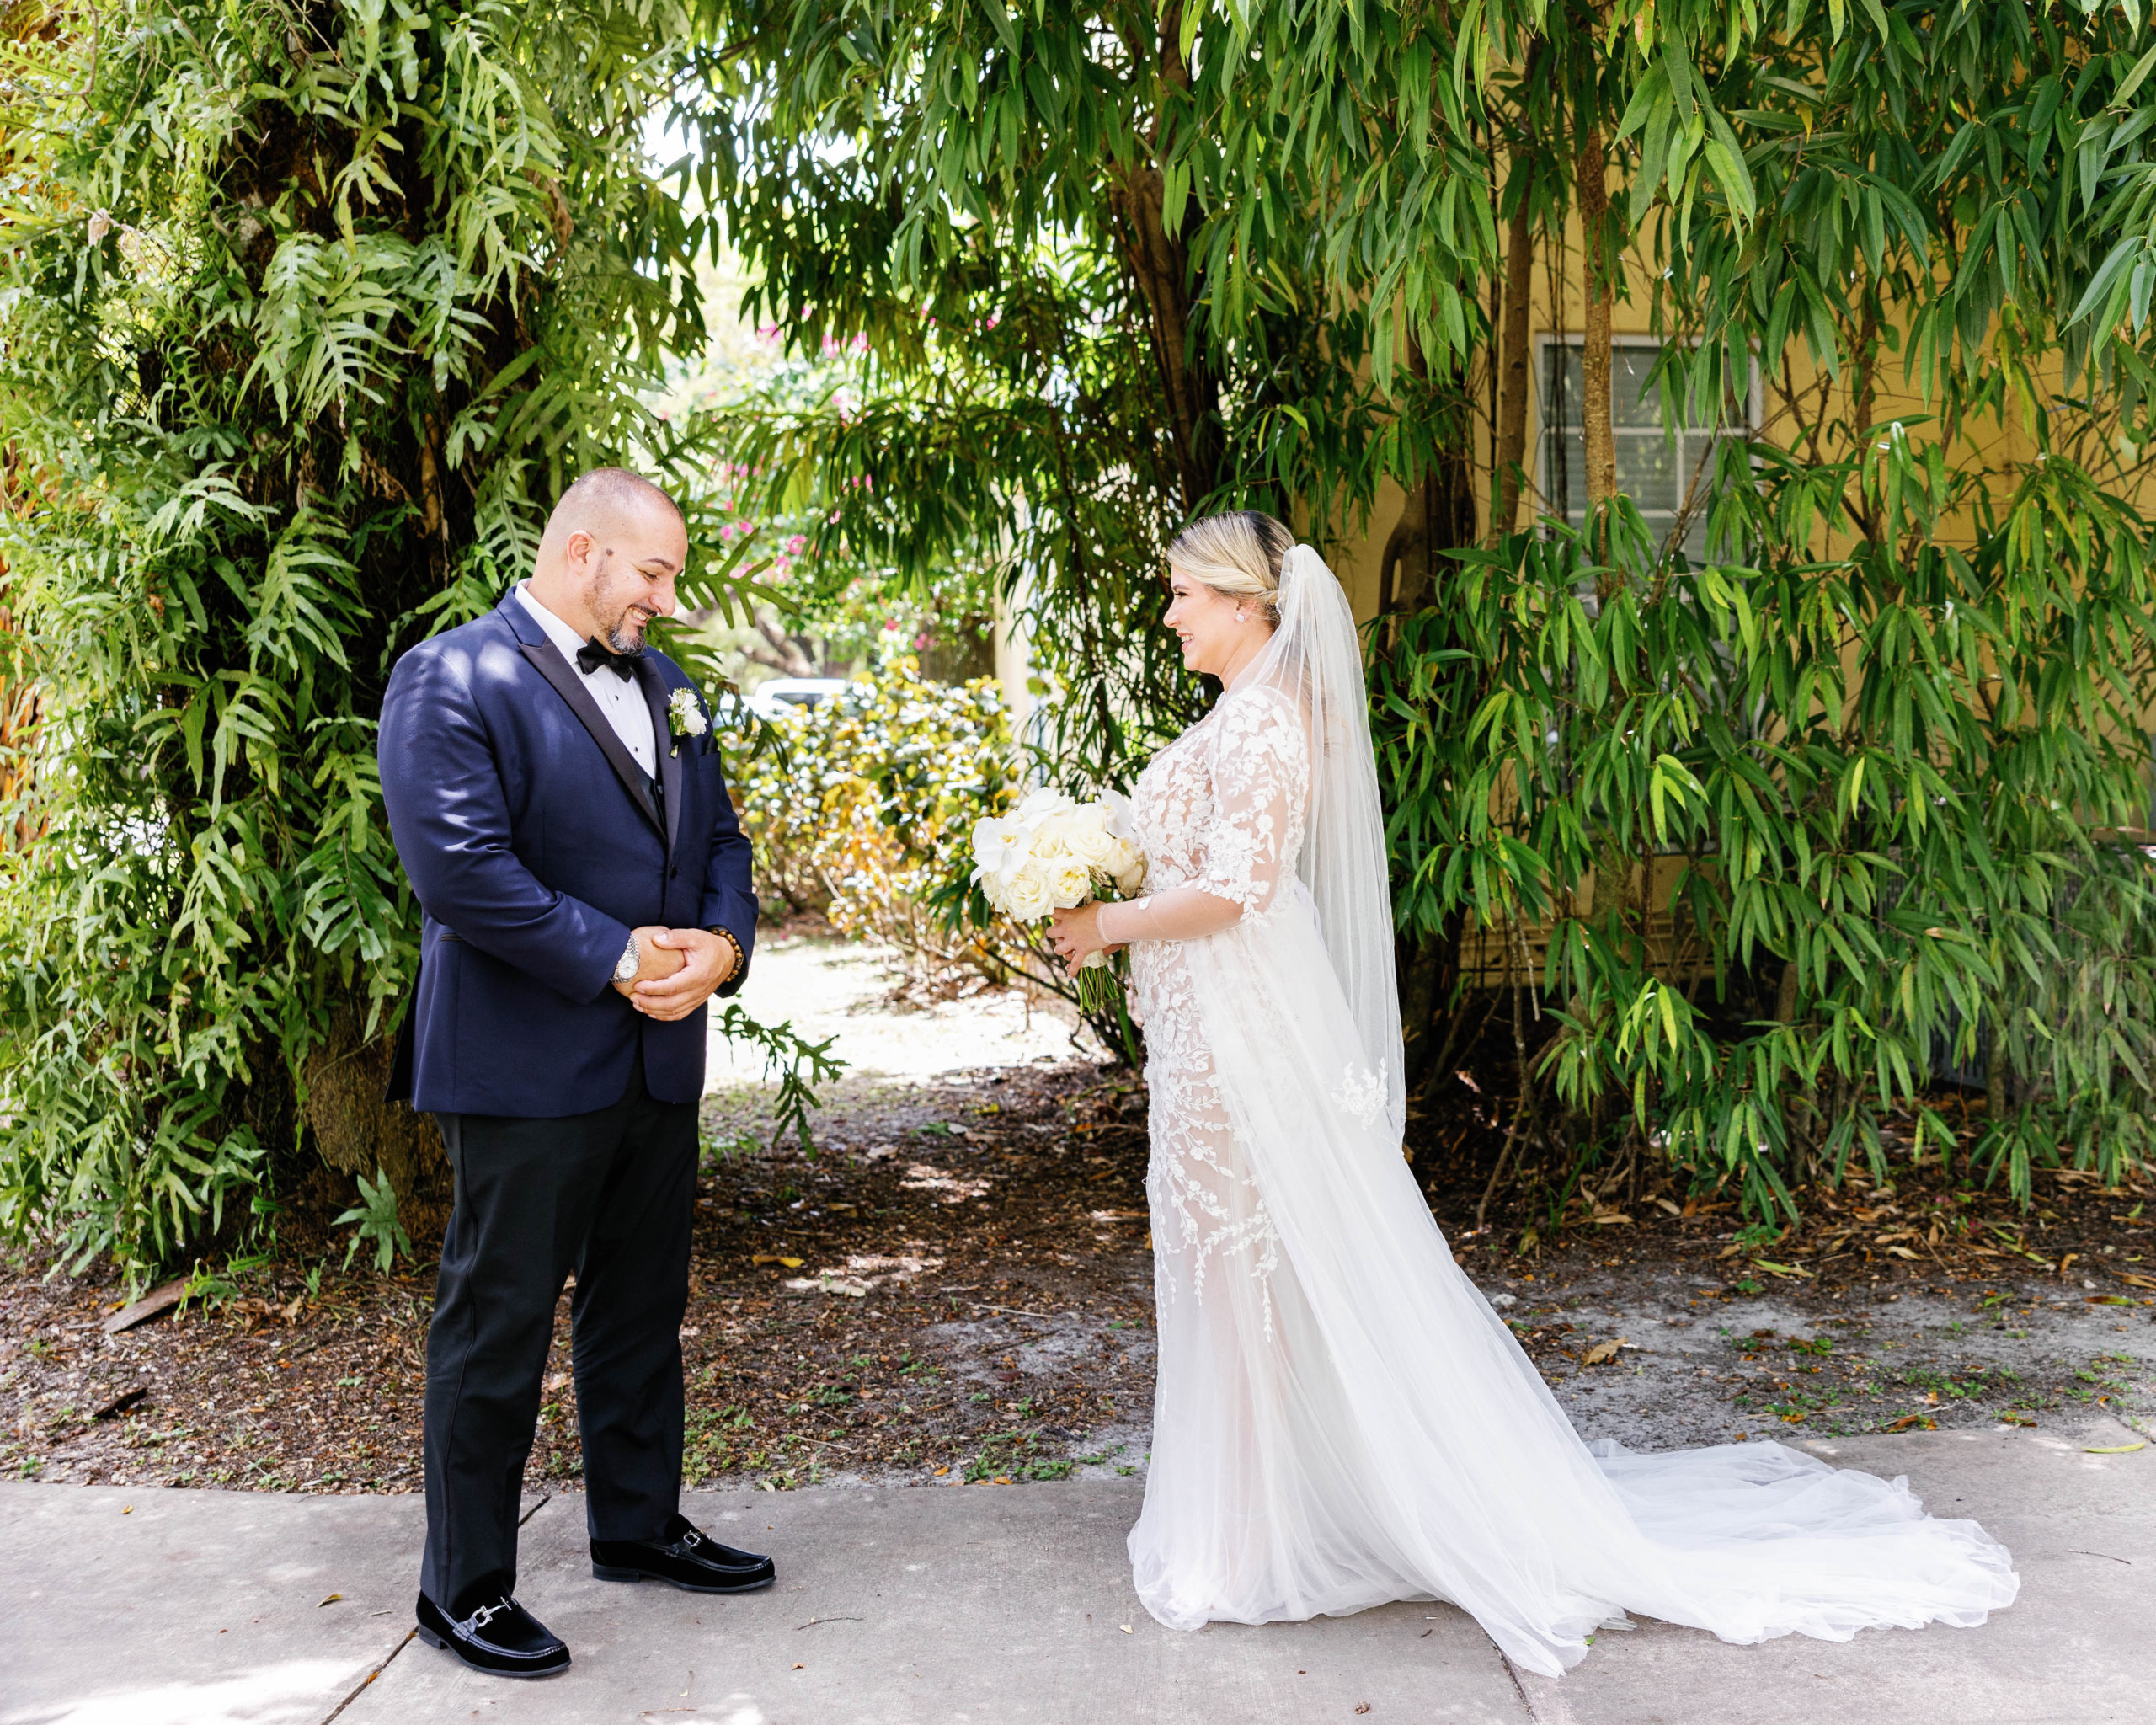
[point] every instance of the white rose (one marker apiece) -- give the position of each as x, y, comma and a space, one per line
1027, 895
1088, 839
1049, 835
1073, 883
1130, 875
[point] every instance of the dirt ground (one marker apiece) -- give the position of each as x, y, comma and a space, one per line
954, 1286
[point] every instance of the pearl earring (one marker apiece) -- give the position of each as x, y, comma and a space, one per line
1239, 614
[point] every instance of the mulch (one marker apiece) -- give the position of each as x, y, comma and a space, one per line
951, 1284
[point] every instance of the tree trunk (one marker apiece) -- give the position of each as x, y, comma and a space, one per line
1404, 567
1512, 366
1160, 262
355, 1130
1601, 452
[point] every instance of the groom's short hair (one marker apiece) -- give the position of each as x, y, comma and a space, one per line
604, 493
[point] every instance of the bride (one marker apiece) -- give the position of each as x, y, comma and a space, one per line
1340, 1418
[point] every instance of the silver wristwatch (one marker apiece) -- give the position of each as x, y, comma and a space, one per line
627, 966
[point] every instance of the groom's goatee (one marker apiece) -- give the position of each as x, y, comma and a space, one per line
628, 646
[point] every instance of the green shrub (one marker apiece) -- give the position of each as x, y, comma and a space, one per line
865, 807
305, 315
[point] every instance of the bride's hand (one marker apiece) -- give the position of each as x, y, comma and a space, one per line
1074, 934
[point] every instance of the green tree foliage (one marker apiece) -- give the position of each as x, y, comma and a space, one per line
308, 311
1894, 732
1116, 264
996, 204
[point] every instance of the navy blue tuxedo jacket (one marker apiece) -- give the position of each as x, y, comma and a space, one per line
535, 844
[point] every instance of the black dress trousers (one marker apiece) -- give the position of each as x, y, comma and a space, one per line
610, 1194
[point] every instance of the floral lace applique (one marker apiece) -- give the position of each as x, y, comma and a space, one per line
1361, 1093
1221, 809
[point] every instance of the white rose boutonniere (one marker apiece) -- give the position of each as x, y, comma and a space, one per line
685, 715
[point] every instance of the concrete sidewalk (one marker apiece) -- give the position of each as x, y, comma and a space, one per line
1004, 1606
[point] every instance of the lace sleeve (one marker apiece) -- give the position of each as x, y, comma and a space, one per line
1260, 777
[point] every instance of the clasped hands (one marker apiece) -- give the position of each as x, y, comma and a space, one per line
1076, 934
678, 970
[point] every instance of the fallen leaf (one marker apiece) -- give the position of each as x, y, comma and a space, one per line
1900, 1252
1362, 1706
2116, 1449
791, 1263
1910, 1421
1600, 1352
798, 1666
2136, 1281
1124, 1627
331, 1600
1788, 1269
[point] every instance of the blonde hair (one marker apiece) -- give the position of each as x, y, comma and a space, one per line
1239, 553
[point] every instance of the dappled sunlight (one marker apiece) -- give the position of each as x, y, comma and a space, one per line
293, 1690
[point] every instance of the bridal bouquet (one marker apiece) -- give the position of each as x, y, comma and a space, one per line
1053, 852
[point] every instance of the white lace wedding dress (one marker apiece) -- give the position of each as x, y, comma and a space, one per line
1340, 1418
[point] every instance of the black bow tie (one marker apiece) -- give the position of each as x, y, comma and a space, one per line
595, 653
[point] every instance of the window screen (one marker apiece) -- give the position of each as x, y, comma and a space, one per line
1655, 470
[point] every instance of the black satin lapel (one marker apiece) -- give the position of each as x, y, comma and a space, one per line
656, 696
557, 671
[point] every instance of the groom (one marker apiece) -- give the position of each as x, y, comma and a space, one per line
558, 805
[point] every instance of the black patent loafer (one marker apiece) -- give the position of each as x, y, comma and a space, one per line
684, 1558
500, 1638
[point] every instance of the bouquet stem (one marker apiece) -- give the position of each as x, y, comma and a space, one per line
1099, 988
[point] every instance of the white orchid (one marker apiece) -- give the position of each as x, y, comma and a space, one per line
1000, 846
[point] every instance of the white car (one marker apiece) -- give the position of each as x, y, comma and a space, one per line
781, 695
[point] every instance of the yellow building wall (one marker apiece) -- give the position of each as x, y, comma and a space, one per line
1356, 552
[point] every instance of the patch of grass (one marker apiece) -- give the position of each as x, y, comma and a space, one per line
714, 1439
1008, 1457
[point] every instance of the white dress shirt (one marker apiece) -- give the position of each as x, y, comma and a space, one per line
620, 698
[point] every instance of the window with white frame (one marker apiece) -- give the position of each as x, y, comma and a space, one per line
1662, 470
